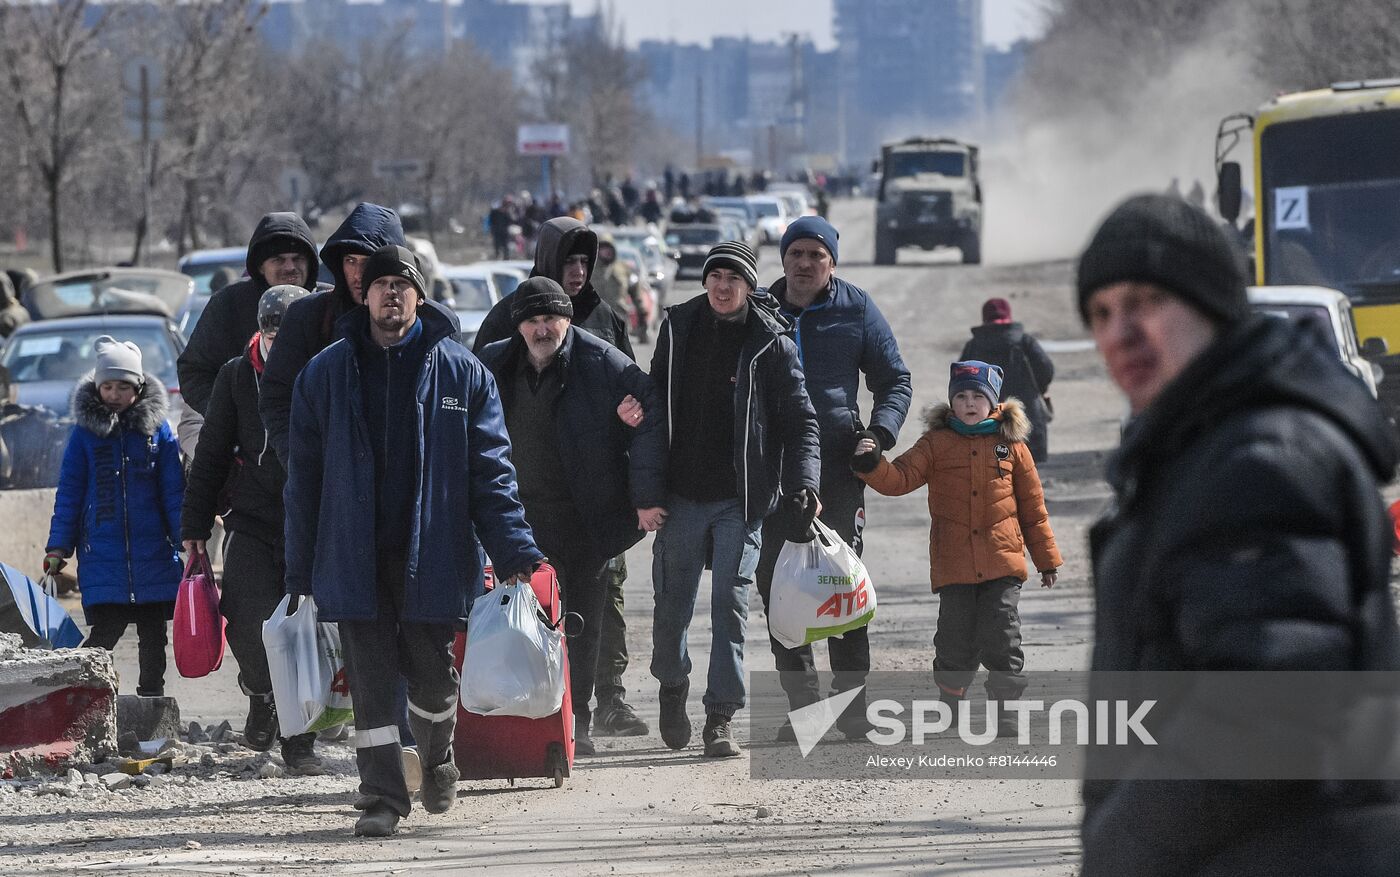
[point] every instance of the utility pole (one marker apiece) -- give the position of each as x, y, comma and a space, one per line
144, 95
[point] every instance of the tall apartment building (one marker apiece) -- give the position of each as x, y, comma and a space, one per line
906, 67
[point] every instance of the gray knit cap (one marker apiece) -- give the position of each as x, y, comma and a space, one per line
117, 361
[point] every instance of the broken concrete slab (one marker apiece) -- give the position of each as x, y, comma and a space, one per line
149, 718
57, 708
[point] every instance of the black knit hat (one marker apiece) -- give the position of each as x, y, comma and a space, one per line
393, 260
736, 257
1162, 239
539, 296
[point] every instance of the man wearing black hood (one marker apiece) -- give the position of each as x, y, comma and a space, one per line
281, 252
309, 326
567, 253
1247, 534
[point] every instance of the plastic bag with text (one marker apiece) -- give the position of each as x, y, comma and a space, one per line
307, 666
820, 589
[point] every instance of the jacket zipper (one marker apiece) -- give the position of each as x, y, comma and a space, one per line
670, 382
257, 391
126, 518
748, 421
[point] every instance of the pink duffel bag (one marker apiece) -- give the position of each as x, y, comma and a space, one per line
199, 628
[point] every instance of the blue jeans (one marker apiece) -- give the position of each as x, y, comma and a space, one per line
693, 532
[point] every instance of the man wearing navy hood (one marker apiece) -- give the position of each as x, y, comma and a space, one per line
399, 464
840, 334
309, 325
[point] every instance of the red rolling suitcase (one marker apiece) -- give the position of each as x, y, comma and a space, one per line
510, 747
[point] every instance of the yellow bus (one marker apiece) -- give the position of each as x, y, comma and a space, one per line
1327, 201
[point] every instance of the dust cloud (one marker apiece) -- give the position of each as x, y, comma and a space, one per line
1050, 175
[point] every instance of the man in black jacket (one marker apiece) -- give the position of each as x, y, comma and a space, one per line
1248, 534
1027, 367
280, 252
567, 253
740, 430
591, 483
233, 441
309, 326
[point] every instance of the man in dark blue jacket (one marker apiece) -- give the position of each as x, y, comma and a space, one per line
399, 463
592, 479
741, 429
840, 335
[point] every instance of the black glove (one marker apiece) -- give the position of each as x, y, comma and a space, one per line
868, 462
801, 510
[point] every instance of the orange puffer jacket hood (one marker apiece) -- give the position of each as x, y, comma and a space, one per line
984, 496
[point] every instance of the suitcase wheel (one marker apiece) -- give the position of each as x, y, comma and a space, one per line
558, 777
555, 764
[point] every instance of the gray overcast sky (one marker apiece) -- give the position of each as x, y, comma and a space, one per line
697, 21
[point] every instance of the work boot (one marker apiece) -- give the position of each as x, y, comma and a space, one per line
583, 744
719, 740
786, 734
260, 728
956, 704
852, 722
412, 768
1008, 722
618, 719
299, 756
381, 820
440, 787
675, 724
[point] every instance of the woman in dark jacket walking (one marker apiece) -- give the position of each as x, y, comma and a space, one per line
118, 505
1028, 368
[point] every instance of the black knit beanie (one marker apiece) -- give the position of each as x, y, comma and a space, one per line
392, 260
1164, 240
537, 297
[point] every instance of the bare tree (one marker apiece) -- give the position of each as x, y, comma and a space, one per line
60, 79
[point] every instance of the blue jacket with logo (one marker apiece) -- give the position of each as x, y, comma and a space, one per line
119, 496
464, 483
842, 335
776, 445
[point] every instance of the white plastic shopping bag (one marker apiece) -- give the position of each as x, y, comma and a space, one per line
307, 666
820, 589
514, 661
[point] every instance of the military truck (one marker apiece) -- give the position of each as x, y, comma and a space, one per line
929, 196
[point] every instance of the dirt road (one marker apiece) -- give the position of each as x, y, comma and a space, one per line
639, 807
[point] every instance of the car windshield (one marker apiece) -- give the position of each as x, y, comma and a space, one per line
115, 291
767, 208
191, 317
683, 235
66, 354
471, 293
1328, 222
1314, 315
506, 282
908, 164
203, 272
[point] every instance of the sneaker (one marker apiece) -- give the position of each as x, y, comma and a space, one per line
618, 719
299, 756
380, 820
412, 769
675, 724
719, 740
440, 787
853, 722
260, 728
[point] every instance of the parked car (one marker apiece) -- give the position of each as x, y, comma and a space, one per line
474, 293
693, 242
744, 233
45, 359
773, 217
743, 205
202, 265
508, 274
1330, 311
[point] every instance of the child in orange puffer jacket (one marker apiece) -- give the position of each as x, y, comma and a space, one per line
988, 508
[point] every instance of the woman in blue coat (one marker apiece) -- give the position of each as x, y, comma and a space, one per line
118, 505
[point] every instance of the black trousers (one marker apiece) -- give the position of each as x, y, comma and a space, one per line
583, 583
252, 588
843, 510
109, 622
377, 653
978, 624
